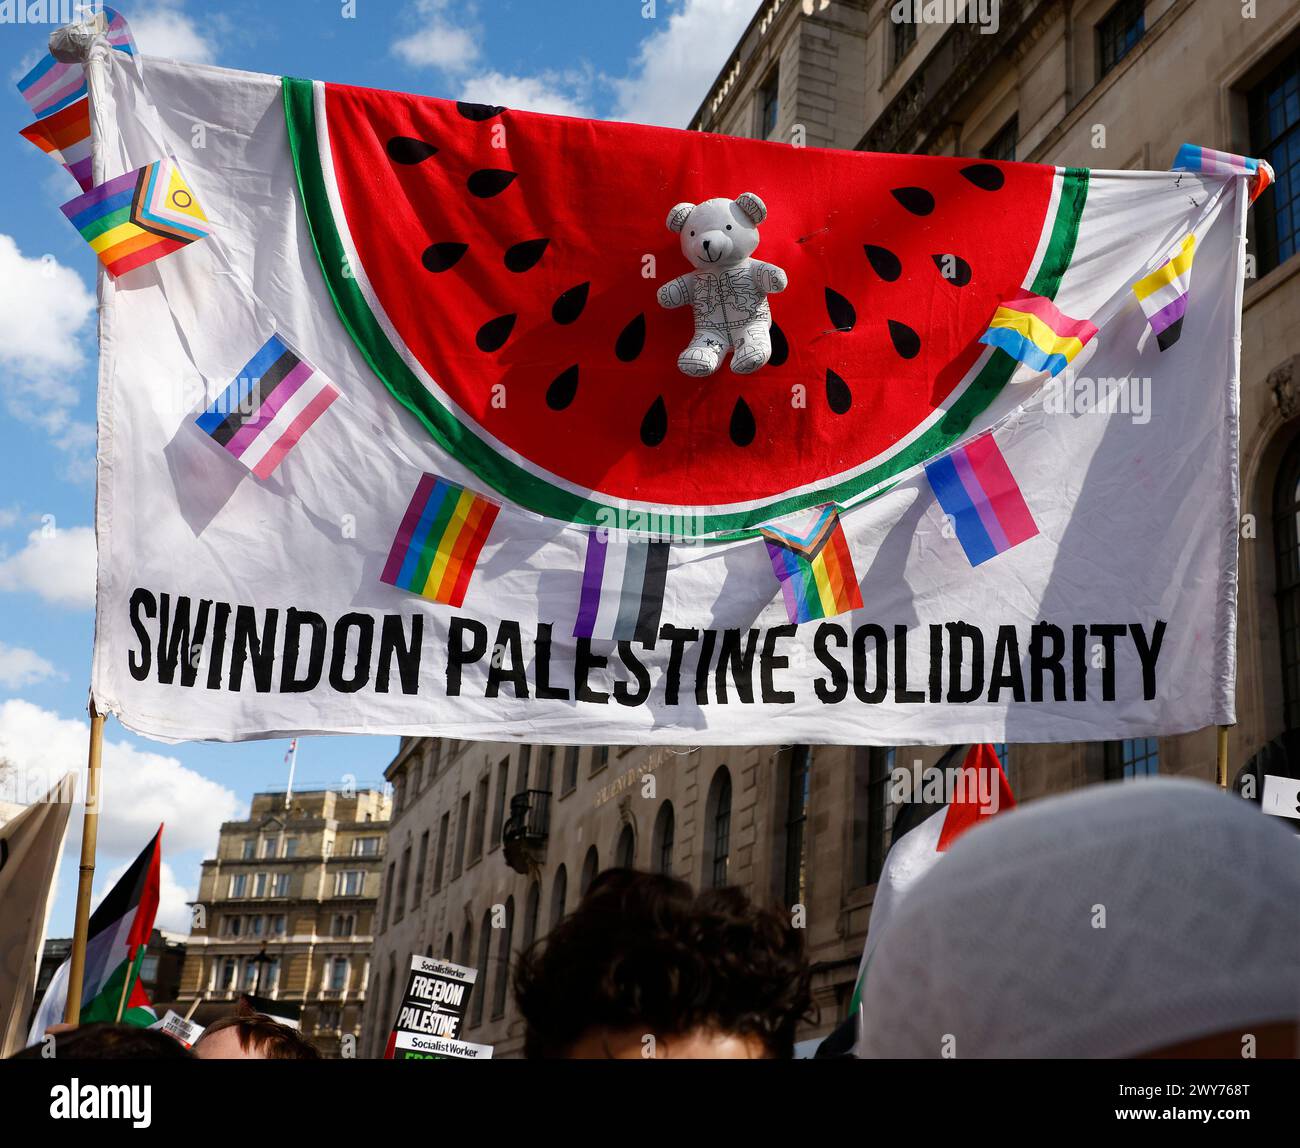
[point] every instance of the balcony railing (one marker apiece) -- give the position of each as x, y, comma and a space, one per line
527, 827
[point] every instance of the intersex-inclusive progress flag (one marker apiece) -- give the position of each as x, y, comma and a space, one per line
474, 496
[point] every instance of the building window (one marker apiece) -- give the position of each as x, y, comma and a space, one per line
420, 866
350, 882
249, 982
328, 1018
1003, 145
599, 758
338, 975
345, 924
291, 847
502, 986
769, 104
480, 817
438, 862
365, 847
902, 40
1133, 757
718, 820
499, 809
259, 885
462, 830
239, 885
880, 810
532, 910
271, 975
278, 925
270, 847
1286, 542
521, 774
559, 890
280, 885
256, 925
625, 851
590, 867
1275, 136
250, 849
796, 818
545, 761
570, 782
1120, 29
484, 949
463, 959
449, 948
662, 848
399, 890
228, 970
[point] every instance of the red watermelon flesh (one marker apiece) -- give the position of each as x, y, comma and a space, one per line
517, 256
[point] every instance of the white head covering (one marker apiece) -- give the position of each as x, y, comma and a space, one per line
997, 951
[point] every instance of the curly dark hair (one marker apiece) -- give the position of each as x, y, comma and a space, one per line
643, 950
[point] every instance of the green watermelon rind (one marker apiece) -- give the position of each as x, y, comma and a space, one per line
535, 493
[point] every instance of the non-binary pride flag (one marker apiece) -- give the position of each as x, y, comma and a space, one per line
439, 541
978, 492
1163, 294
814, 567
260, 416
65, 138
138, 217
1034, 331
622, 588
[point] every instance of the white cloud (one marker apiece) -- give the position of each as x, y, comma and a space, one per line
58, 564
436, 40
677, 62
173, 912
21, 667
139, 790
558, 93
165, 29
9, 515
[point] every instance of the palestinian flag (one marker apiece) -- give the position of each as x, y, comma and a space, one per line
115, 947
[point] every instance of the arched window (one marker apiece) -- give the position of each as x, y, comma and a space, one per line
484, 948
559, 891
532, 910
661, 842
1286, 540
449, 948
590, 867
464, 946
718, 826
625, 851
503, 962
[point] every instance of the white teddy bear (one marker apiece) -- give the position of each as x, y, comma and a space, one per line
728, 290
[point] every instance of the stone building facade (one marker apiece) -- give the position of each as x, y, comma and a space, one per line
288, 908
1096, 83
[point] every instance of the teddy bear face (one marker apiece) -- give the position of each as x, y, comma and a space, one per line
717, 234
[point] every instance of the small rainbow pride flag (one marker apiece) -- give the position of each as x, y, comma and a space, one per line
1163, 294
53, 85
1207, 161
138, 217
814, 567
977, 491
1034, 331
65, 138
438, 543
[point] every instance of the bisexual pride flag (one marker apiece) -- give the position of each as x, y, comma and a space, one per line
261, 416
439, 541
814, 567
977, 491
1034, 331
1163, 294
138, 217
622, 588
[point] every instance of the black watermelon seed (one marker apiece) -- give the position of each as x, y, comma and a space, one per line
843, 316
742, 427
478, 112
569, 305
838, 395
655, 424
984, 176
525, 255
916, 199
441, 256
780, 347
493, 334
405, 149
631, 339
560, 393
489, 181
883, 262
953, 268
906, 341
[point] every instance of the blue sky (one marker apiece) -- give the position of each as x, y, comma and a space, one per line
644, 60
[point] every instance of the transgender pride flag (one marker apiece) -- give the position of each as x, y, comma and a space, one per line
977, 491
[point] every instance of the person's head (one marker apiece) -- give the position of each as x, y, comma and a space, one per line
253, 1036
107, 1042
645, 967
1149, 918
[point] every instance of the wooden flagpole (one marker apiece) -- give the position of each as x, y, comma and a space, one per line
86, 873
126, 984
1221, 770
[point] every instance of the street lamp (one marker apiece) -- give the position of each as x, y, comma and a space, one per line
261, 960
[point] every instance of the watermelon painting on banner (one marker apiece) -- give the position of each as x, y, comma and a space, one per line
972, 497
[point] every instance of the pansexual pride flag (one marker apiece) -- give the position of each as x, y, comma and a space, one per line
814, 568
1207, 161
439, 541
138, 217
977, 491
261, 416
53, 85
622, 589
1034, 331
1163, 294
65, 138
